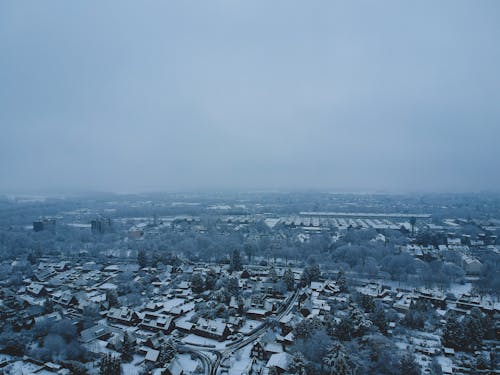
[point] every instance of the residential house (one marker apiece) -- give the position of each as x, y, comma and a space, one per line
123, 315
213, 329
157, 322
280, 362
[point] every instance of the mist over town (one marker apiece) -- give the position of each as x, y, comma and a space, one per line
249, 187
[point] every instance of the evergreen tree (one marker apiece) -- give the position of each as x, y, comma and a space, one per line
109, 365
289, 279
197, 284
127, 349
298, 364
359, 324
167, 353
32, 258
367, 303
493, 360
77, 368
345, 329
233, 286
273, 275
380, 320
330, 357
340, 366
336, 361
210, 279
48, 306
249, 251
414, 317
235, 263
413, 221
341, 281
142, 259
304, 281
435, 367
311, 272
481, 363
408, 365
473, 331
112, 298
155, 259
307, 327
453, 335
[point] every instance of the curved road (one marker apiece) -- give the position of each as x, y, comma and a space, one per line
204, 358
223, 354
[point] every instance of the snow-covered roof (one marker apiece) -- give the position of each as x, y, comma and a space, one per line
279, 360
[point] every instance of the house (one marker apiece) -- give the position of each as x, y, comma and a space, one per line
373, 290
272, 348
62, 266
157, 322
288, 322
258, 314
36, 290
65, 299
317, 286
471, 265
258, 351
245, 274
156, 341
53, 317
288, 339
150, 354
90, 266
212, 329
174, 368
184, 285
330, 288
112, 268
97, 332
449, 352
184, 326
44, 274
271, 289
123, 315
235, 322
467, 302
279, 362
403, 302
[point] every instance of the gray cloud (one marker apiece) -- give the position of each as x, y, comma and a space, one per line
178, 95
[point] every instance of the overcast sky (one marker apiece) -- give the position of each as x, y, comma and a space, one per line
174, 95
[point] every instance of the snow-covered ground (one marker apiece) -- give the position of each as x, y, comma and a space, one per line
204, 342
134, 367
188, 364
20, 367
249, 326
171, 303
459, 289
240, 361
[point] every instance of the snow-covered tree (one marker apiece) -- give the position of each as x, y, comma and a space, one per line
127, 349
110, 365
167, 353
408, 365
298, 364
197, 283
289, 279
